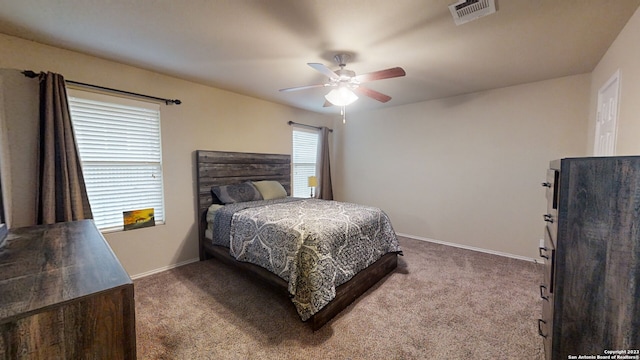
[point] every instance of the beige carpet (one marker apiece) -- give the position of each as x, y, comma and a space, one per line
441, 303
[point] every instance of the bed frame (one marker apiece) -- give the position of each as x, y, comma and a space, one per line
225, 168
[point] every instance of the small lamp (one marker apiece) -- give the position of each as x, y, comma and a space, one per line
313, 182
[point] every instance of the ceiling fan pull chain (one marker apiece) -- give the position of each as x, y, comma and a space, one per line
343, 112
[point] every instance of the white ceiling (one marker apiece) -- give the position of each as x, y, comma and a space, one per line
256, 47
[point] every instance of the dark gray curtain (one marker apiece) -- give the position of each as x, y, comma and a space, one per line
325, 189
62, 195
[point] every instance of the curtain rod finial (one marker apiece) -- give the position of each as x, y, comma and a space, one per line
30, 73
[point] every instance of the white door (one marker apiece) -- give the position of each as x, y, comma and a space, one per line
607, 117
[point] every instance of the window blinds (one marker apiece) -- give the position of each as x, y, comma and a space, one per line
305, 152
120, 150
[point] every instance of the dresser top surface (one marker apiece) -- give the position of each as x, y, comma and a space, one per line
41, 266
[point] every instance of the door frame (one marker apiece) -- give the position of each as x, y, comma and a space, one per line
615, 78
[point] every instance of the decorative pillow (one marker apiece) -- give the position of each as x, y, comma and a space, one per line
270, 189
229, 194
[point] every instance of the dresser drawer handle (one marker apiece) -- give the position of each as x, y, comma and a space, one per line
542, 248
548, 218
540, 328
542, 291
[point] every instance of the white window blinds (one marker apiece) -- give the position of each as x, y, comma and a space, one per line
119, 144
305, 152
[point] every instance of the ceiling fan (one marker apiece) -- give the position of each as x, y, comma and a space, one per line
345, 84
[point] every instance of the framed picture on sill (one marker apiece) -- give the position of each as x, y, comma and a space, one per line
137, 219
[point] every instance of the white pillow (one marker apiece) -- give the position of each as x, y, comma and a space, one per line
211, 212
270, 189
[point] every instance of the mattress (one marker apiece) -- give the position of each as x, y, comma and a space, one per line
314, 245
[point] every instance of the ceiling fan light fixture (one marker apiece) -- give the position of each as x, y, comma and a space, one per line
342, 96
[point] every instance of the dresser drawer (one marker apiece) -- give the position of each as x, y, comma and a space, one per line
551, 225
545, 326
545, 323
548, 253
551, 190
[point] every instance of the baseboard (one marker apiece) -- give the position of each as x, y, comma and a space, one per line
164, 268
493, 252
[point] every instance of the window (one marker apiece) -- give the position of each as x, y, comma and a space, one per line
305, 152
120, 150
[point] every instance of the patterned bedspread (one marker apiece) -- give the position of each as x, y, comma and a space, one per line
314, 245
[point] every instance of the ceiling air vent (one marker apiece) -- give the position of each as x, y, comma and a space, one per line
467, 10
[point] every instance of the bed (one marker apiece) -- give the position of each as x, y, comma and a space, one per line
376, 257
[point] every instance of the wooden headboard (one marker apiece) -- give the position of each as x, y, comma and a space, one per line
226, 168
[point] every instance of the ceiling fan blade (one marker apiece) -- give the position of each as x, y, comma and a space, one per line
373, 94
325, 70
303, 87
381, 74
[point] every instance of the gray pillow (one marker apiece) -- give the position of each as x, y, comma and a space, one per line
229, 194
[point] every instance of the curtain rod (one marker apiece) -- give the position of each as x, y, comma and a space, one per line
32, 74
309, 126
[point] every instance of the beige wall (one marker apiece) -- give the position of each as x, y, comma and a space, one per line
208, 118
623, 54
466, 169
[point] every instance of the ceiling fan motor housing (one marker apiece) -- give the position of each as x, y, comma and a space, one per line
342, 59
345, 75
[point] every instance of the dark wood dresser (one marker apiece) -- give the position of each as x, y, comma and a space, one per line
64, 295
591, 288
